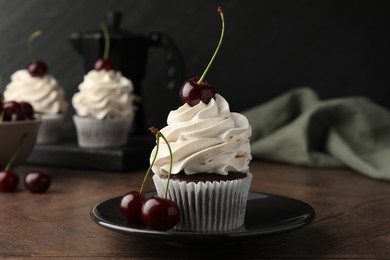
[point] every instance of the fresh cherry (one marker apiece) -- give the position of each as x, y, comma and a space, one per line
8, 181
12, 111
197, 89
193, 92
160, 213
37, 68
131, 205
104, 64
37, 182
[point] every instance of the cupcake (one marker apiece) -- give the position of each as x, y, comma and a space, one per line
207, 166
104, 109
43, 92
210, 176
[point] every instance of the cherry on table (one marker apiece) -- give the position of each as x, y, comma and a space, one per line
8, 181
37, 68
131, 205
160, 214
37, 182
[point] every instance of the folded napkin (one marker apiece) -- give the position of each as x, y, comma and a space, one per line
298, 128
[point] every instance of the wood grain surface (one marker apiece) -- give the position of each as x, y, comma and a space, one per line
352, 218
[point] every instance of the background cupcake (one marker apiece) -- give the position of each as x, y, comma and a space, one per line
105, 110
37, 87
47, 98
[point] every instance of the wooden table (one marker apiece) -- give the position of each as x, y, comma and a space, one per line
352, 218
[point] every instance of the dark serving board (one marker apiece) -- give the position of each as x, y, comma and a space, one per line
133, 156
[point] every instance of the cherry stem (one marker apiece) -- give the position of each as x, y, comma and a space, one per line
106, 35
159, 134
217, 49
141, 190
29, 43
10, 162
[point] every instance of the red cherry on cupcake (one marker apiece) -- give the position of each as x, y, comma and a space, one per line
37, 182
36, 68
193, 92
104, 63
160, 213
197, 89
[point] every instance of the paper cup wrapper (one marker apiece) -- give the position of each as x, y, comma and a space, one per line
50, 130
94, 133
208, 206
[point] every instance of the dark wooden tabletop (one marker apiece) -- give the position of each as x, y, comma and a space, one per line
352, 218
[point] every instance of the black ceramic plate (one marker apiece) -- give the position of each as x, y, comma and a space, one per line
266, 214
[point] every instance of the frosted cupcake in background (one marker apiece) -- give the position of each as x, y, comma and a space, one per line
47, 99
39, 88
104, 104
104, 109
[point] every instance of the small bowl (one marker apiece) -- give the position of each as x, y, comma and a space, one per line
10, 135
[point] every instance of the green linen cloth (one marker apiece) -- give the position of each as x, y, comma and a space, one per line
298, 128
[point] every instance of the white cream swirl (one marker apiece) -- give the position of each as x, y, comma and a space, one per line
104, 94
205, 138
43, 93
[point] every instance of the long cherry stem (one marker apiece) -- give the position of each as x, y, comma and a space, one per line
170, 164
159, 134
29, 43
141, 191
106, 35
217, 49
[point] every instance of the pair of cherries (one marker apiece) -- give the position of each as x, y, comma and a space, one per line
35, 182
158, 213
155, 212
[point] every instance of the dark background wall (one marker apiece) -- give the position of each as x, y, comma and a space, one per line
339, 48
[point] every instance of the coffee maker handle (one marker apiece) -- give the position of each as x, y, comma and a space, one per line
174, 59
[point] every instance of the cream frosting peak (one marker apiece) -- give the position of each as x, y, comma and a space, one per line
104, 94
205, 138
43, 93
